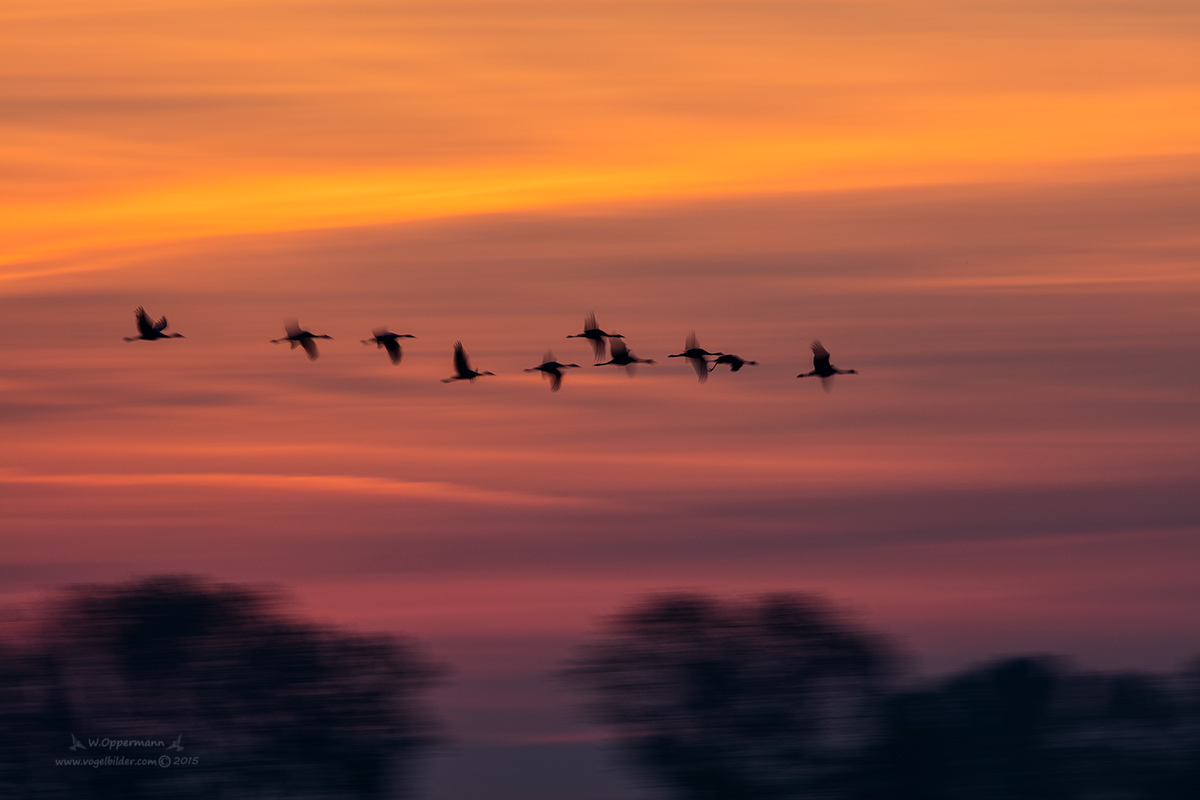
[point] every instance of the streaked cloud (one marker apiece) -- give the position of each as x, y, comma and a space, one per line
135, 123
341, 484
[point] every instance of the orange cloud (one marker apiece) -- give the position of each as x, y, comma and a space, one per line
341, 484
138, 122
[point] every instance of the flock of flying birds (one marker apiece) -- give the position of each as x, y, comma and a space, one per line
621, 356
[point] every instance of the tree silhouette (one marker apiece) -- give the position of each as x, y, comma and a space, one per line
767, 698
256, 703
1032, 728
778, 698
986, 733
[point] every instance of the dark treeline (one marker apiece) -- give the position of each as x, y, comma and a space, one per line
767, 698
181, 688
779, 697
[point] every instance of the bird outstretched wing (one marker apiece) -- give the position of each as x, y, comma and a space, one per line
820, 357
161, 325
143, 322
461, 366
393, 350
310, 347
598, 347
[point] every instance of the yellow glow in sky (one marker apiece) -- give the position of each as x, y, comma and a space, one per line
138, 122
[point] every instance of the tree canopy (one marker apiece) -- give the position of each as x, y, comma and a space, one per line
256, 702
781, 697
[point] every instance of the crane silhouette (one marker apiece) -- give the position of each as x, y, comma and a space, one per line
385, 339
623, 358
822, 368
150, 331
551, 369
697, 355
596, 336
462, 367
302, 338
735, 362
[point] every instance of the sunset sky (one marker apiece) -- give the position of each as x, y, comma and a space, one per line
990, 209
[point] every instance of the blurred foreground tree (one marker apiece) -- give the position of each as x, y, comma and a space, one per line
768, 698
266, 705
777, 698
1032, 728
